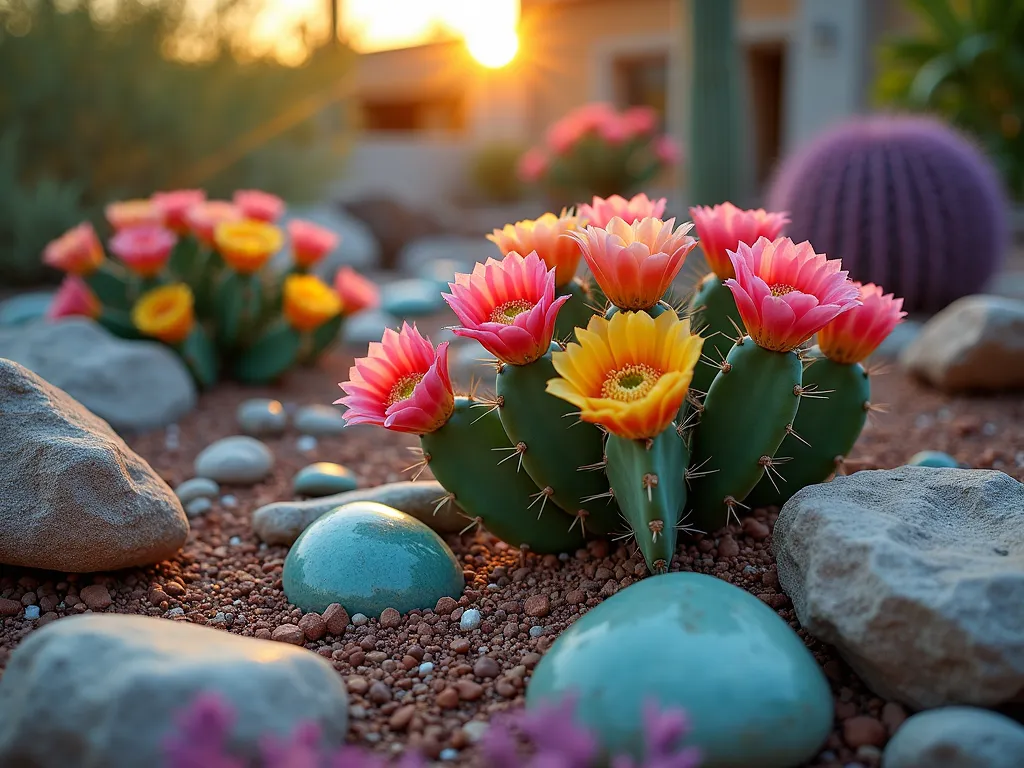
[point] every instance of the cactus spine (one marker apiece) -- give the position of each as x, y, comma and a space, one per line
717, 320
562, 454
647, 479
749, 409
831, 416
472, 457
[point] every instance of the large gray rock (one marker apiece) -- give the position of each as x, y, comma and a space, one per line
105, 691
73, 496
974, 344
283, 521
916, 576
133, 385
956, 737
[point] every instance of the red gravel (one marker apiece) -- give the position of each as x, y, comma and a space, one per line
479, 672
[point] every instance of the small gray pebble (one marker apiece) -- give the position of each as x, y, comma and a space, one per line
238, 459
359, 620
470, 620
177, 611
449, 754
536, 631
261, 416
197, 488
475, 729
426, 668
319, 420
32, 612
228, 501
198, 507
306, 443
235, 540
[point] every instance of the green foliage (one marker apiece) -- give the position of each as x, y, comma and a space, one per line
966, 64
34, 212
99, 104
493, 172
716, 318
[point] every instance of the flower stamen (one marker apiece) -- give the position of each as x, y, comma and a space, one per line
403, 388
507, 313
781, 289
630, 383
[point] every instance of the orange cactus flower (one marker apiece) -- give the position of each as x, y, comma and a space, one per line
310, 242
133, 213
175, 205
509, 306
630, 374
309, 302
356, 292
74, 298
785, 293
144, 249
165, 313
854, 335
203, 218
636, 263
78, 251
402, 384
603, 210
247, 245
259, 205
548, 236
723, 227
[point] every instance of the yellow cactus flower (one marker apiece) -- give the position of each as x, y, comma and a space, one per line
165, 313
629, 374
309, 302
247, 245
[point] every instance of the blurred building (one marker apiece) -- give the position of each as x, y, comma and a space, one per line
423, 111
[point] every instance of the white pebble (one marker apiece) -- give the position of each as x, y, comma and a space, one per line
426, 668
564, 557
470, 619
482, 649
359, 620
235, 540
536, 631
176, 612
198, 507
228, 501
475, 729
306, 443
32, 612
493, 587
173, 429
449, 754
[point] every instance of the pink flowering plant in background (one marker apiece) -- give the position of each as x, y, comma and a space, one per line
598, 150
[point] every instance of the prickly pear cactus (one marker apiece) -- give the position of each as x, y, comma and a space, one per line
585, 302
472, 457
716, 318
833, 409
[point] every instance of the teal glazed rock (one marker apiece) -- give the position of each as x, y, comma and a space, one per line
369, 557
933, 459
323, 479
754, 693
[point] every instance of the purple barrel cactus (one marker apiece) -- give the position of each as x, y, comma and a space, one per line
906, 202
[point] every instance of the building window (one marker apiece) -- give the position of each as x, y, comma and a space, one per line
410, 115
642, 81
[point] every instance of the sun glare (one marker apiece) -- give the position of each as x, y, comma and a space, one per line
492, 46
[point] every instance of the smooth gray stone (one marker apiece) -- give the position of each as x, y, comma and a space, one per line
956, 737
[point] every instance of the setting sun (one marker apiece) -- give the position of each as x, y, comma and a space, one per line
492, 46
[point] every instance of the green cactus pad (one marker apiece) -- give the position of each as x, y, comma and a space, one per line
648, 478
185, 261
200, 355
111, 284
464, 456
119, 322
749, 408
660, 308
830, 424
270, 355
577, 311
557, 443
238, 308
321, 339
712, 308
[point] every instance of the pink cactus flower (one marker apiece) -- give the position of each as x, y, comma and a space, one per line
603, 210
203, 218
144, 249
635, 263
174, 207
614, 130
785, 292
133, 213
310, 242
533, 164
855, 334
356, 292
402, 384
667, 151
723, 227
639, 121
509, 306
259, 205
74, 298
78, 251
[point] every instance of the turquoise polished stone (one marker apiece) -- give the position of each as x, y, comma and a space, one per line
753, 692
369, 557
933, 459
412, 297
323, 479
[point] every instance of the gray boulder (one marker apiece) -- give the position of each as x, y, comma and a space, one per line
283, 521
916, 576
974, 344
73, 496
106, 691
956, 737
133, 385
